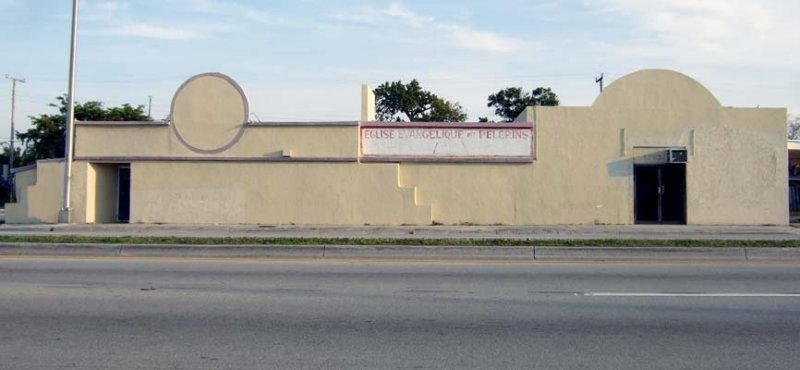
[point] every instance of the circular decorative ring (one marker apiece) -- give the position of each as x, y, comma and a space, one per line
209, 113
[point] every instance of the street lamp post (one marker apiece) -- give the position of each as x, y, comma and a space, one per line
65, 213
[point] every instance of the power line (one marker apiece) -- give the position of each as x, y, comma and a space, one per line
472, 77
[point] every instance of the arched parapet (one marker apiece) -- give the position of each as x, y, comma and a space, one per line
656, 89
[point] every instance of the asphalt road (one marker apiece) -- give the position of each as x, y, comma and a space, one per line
248, 314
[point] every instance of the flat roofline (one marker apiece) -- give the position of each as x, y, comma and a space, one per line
23, 169
122, 123
254, 124
386, 124
33, 166
487, 125
303, 123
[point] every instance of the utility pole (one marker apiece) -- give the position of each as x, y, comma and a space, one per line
64, 215
599, 80
149, 106
14, 81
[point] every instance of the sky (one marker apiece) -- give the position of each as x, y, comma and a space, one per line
305, 60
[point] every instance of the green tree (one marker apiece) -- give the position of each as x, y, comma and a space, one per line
45, 139
396, 101
18, 155
511, 101
793, 129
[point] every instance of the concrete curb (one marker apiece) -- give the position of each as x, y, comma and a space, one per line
429, 252
58, 250
222, 251
403, 252
159, 250
762, 254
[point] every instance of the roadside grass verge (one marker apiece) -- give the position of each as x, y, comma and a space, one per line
715, 243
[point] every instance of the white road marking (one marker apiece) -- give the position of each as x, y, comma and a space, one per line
794, 295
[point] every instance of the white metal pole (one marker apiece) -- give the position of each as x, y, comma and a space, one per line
64, 216
11, 146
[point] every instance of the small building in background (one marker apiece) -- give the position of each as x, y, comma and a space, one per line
794, 176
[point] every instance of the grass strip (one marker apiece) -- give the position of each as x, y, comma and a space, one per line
477, 242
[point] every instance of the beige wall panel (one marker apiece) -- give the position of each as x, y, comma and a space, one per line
103, 140
79, 195
39, 194
467, 193
17, 213
275, 193
579, 173
738, 174
101, 193
90, 216
258, 141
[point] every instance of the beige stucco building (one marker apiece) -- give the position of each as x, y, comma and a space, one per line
656, 146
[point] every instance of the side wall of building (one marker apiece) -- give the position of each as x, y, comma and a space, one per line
39, 194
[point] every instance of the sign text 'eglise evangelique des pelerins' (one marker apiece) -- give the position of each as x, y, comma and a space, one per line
432, 141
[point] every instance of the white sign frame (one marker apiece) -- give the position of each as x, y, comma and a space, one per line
447, 142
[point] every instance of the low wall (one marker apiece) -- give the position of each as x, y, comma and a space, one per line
39, 194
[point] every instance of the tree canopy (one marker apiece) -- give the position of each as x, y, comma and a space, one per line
45, 139
793, 129
396, 101
511, 101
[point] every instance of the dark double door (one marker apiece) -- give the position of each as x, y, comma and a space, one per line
124, 194
660, 194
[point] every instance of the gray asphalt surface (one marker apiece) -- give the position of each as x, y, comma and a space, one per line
251, 314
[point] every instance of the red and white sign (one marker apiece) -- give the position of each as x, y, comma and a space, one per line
447, 141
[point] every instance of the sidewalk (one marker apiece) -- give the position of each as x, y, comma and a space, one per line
538, 251
644, 232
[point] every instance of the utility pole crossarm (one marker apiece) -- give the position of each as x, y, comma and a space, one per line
599, 80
